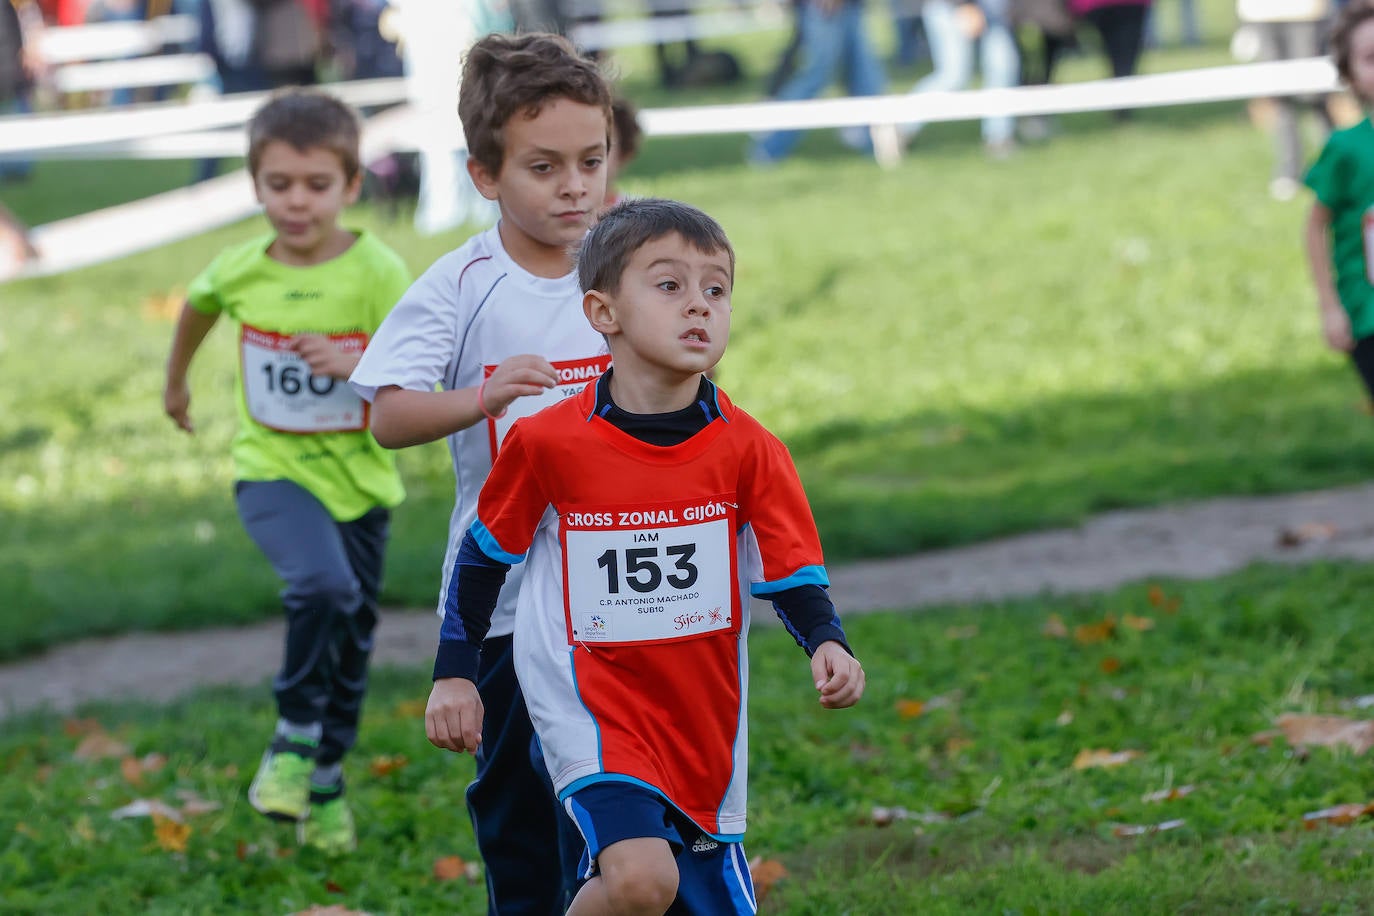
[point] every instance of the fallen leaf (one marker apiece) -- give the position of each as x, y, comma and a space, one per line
1110, 665
83, 829
333, 888
1171, 794
884, 817
75, 728
1266, 737
385, 764
448, 868
1054, 627
1089, 633
171, 835
410, 709
192, 804
43, 774
1139, 624
99, 745
910, 709
1327, 731
766, 873
131, 770
241, 850
1101, 757
1125, 830
1306, 533
967, 632
163, 306
1171, 606
1340, 815
146, 807
1155, 596
1064, 718
956, 744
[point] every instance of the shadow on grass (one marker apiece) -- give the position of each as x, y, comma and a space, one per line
924, 480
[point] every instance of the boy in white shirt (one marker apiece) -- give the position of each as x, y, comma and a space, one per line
498, 326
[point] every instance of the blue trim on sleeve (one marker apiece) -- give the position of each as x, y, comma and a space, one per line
807, 575
487, 542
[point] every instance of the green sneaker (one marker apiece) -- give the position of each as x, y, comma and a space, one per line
281, 788
329, 828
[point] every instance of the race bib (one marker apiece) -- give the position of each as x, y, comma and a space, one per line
649, 574
573, 376
283, 395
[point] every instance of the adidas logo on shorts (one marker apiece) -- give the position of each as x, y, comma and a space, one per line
704, 844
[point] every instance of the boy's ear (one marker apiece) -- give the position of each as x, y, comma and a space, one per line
482, 177
600, 312
353, 189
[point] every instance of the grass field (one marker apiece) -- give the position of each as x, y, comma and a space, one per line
954, 349
968, 735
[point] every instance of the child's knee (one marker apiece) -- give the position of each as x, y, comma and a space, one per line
642, 879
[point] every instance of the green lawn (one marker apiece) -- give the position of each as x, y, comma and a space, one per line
953, 350
972, 723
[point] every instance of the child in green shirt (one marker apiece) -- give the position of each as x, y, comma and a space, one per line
1340, 227
314, 489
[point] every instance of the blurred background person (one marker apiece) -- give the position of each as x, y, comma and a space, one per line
956, 30
832, 39
1121, 25
1286, 29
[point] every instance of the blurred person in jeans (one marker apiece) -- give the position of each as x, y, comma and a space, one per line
953, 30
832, 36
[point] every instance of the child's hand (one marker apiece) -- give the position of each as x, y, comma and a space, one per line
453, 718
517, 377
1336, 329
970, 20
324, 357
837, 675
176, 401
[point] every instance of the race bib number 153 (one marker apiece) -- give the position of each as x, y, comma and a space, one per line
656, 573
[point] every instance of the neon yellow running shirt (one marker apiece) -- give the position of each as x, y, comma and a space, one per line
292, 425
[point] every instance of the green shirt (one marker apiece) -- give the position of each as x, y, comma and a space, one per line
1343, 179
292, 425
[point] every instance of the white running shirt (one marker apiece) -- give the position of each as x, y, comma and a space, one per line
472, 309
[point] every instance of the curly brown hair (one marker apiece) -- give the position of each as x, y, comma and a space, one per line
306, 119
508, 74
1349, 19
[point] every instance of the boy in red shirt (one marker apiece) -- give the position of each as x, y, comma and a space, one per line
649, 508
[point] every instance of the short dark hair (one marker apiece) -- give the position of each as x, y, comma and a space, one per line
630, 225
1349, 18
306, 119
504, 75
627, 129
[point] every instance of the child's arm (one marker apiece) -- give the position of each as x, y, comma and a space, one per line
402, 417
838, 676
453, 716
192, 327
1335, 322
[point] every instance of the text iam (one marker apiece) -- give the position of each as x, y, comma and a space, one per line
641, 518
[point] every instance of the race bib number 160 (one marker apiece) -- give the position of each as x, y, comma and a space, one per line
653, 573
282, 394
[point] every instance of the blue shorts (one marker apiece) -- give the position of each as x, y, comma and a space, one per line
713, 876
